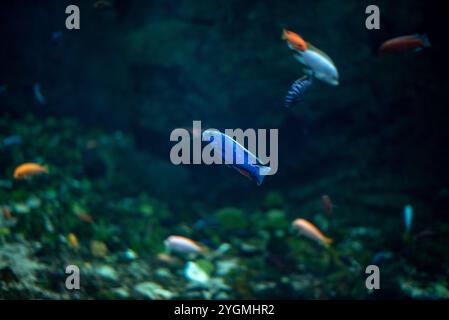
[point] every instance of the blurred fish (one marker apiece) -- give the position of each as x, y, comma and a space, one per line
6, 184
6, 221
382, 256
182, 244
38, 96
294, 41
169, 260
408, 218
244, 161
414, 42
29, 169
327, 204
318, 64
102, 4
424, 234
85, 217
12, 140
297, 90
73, 240
205, 223
56, 37
310, 231
6, 212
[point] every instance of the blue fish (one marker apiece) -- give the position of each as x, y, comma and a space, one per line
242, 159
408, 217
12, 140
297, 90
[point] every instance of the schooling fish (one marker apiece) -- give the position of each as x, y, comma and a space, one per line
297, 90
182, 244
310, 231
408, 218
294, 41
405, 43
242, 159
318, 64
29, 169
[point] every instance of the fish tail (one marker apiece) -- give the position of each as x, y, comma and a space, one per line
283, 34
263, 171
425, 40
328, 241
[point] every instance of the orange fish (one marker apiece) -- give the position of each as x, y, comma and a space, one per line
311, 232
73, 240
328, 206
85, 217
29, 169
6, 212
294, 41
405, 43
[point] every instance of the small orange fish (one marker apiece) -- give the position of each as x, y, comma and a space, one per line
6, 212
310, 231
29, 169
294, 41
73, 240
85, 217
405, 43
328, 206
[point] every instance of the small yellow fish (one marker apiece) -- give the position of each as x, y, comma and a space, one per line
310, 231
73, 240
29, 169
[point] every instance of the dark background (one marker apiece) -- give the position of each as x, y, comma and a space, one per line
147, 67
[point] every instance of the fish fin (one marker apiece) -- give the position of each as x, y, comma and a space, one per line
425, 40
244, 173
299, 57
328, 241
308, 72
320, 52
283, 34
263, 171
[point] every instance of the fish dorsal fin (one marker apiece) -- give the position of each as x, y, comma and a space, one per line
320, 52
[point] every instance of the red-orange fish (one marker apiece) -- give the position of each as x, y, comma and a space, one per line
294, 41
405, 43
85, 217
310, 231
6, 212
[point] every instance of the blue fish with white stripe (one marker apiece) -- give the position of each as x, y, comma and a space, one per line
297, 90
245, 162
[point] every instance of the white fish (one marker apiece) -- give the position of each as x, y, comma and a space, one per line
318, 64
182, 244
